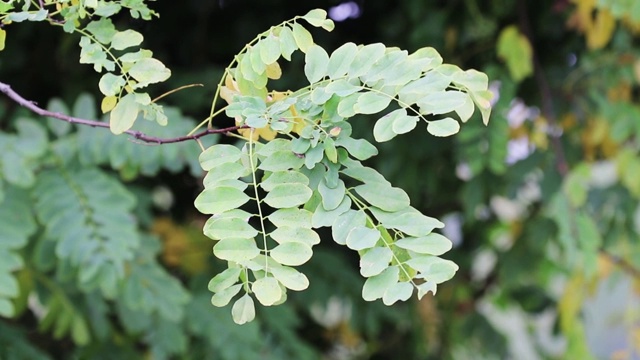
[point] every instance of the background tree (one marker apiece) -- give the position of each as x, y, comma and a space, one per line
541, 204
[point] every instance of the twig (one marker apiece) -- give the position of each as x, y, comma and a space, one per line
6, 89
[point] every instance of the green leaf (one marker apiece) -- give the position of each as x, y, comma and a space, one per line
313, 156
315, 17
392, 58
245, 70
345, 223
425, 288
366, 57
267, 290
103, 30
291, 253
254, 54
290, 277
322, 217
303, 38
223, 297
6, 308
219, 154
288, 195
8, 285
220, 199
375, 261
281, 161
270, 49
330, 150
283, 177
383, 129
224, 279
124, 114
149, 71
342, 88
514, 48
236, 250
444, 127
225, 228
93, 53
3, 38
465, 110
432, 244
125, 39
399, 291
482, 99
371, 103
360, 149
331, 198
401, 73
347, 105
243, 310
316, 63
384, 197
375, 286
320, 96
274, 146
287, 43
409, 221
473, 80
110, 84
328, 25
442, 102
433, 268
362, 237
404, 124
431, 82
224, 172
341, 59
285, 234
291, 217
365, 174
426, 58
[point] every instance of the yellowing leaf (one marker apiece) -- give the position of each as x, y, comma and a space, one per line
273, 71
3, 36
601, 30
597, 24
514, 48
108, 103
255, 134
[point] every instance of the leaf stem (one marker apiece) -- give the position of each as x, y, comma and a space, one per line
258, 202
363, 207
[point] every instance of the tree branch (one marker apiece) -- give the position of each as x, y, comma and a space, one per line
6, 89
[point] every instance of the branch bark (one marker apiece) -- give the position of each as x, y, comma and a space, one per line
32, 106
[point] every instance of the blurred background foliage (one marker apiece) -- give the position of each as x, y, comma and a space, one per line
542, 204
